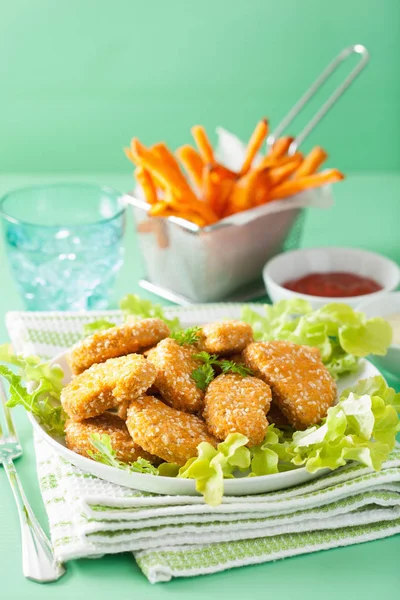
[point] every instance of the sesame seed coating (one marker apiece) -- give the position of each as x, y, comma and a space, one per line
77, 437
106, 385
301, 385
170, 434
226, 337
175, 365
131, 337
236, 404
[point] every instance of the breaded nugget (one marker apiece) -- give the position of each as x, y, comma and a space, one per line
77, 437
171, 434
132, 337
301, 385
175, 365
107, 385
236, 404
226, 337
276, 416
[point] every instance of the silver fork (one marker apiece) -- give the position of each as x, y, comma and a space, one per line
38, 562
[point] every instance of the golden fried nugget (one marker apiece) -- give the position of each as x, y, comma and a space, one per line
276, 416
131, 337
226, 337
236, 404
171, 434
175, 365
107, 385
301, 385
77, 437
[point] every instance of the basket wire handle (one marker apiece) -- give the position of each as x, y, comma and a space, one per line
341, 57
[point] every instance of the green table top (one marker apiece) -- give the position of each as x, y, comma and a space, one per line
364, 216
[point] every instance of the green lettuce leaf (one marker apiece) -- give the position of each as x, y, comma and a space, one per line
134, 306
42, 402
106, 454
267, 458
212, 465
99, 325
42, 398
361, 427
341, 334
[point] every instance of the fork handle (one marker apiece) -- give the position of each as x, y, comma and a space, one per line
38, 562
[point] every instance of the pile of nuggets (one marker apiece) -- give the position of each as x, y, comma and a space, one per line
134, 383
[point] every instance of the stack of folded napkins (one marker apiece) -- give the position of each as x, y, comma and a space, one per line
177, 536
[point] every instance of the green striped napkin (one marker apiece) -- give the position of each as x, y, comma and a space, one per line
175, 536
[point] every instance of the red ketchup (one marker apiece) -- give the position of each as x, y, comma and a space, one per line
333, 285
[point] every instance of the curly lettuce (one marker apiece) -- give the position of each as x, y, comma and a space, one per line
135, 307
341, 334
361, 427
213, 465
42, 399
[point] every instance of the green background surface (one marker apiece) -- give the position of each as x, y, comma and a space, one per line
80, 78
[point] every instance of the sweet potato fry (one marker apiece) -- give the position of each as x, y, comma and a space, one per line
193, 217
192, 163
261, 188
278, 175
217, 186
210, 186
225, 191
280, 147
289, 188
146, 182
163, 166
129, 155
271, 161
311, 163
161, 150
240, 197
160, 209
254, 145
224, 173
203, 143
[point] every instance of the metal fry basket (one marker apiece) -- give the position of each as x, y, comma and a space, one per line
188, 264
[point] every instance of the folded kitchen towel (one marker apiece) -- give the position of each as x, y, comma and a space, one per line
175, 536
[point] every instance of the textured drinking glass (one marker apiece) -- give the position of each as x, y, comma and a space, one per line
64, 244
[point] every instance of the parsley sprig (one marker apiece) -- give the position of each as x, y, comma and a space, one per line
106, 454
205, 373
187, 336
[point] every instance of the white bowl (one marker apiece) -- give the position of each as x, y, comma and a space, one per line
383, 306
297, 263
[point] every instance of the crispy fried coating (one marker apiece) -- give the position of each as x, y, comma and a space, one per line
107, 385
276, 416
77, 437
170, 434
226, 337
129, 338
301, 385
236, 404
175, 365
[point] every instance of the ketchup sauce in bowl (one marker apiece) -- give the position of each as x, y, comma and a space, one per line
331, 274
333, 285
